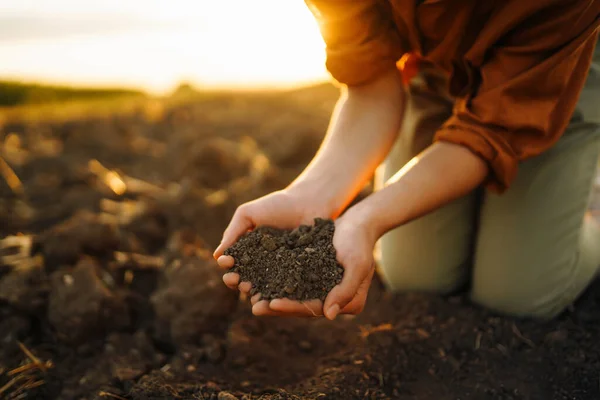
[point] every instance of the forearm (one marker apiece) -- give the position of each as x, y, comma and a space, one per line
363, 128
442, 173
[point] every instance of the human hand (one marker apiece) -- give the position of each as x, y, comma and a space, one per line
354, 241
284, 209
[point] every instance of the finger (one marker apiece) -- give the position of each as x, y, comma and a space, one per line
262, 309
357, 304
245, 287
353, 308
310, 308
342, 294
225, 261
231, 279
240, 223
255, 299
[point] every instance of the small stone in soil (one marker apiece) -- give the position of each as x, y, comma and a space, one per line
226, 396
299, 264
305, 345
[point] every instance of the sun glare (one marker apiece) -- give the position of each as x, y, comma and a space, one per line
229, 43
278, 42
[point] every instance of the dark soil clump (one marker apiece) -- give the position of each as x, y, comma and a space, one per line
299, 264
192, 301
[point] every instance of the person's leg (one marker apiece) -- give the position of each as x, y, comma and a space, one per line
429, 254
536, 249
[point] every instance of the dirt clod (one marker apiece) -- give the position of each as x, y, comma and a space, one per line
192, 301
226, 396
279, 263
305, 345
84, 233
82, 306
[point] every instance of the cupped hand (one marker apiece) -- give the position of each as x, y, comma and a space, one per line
284, 209
354, 242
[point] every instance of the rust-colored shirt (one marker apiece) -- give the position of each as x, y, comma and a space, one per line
515, 67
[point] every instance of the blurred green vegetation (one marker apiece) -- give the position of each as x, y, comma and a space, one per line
13, 93
77, 103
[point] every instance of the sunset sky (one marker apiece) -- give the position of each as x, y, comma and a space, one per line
157, 44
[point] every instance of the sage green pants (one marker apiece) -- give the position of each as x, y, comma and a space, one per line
528, 252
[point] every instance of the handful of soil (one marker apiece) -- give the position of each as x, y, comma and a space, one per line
299, 264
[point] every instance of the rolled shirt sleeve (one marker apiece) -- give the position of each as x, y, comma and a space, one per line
528, 87
360, 36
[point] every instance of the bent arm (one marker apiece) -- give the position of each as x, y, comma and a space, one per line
440, 174
363, 128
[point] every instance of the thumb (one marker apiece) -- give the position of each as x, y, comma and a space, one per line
240, 223
342, 294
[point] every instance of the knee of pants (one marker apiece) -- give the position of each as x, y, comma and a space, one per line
432, 253
516, 295
537, 289
410, 269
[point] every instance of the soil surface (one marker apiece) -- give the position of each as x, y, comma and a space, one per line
108, 290
299, 264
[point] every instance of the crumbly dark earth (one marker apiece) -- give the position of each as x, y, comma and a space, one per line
299, 264
163, 326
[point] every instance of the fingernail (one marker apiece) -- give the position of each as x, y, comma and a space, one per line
333, 311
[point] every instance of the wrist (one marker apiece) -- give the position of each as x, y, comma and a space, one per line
363, 217
318, 199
